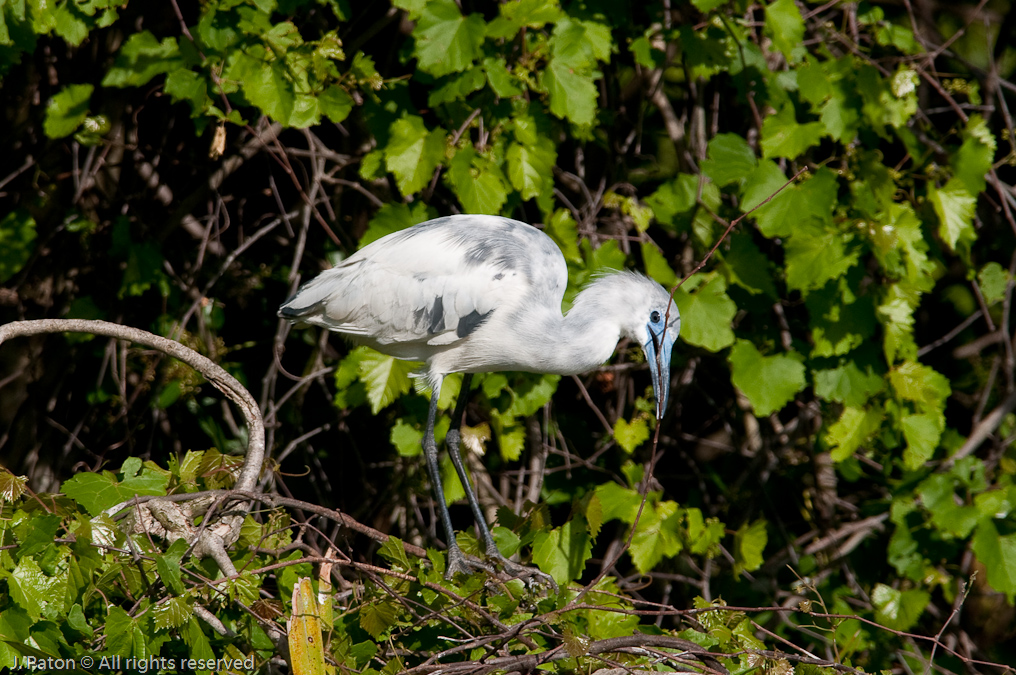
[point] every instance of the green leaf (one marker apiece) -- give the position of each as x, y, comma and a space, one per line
477, 182
69, 23
446, 41
186, 85
414, 8
386, 377
512, 441
899, 243
840, 116
704, 534
778, 216
377, 617
618, 502
630, 435
168, 566
950, 518
266, 82
501, 81
572, 94
786, 28
645, 54
840, 320
40, 536
656, 265
67, 110
530, 167
530, 393
123, 635
77, 621
745, 265
998, 555
898, 610
407, 439
17, 235
708, 5
974, 158
458, 87
394, 551
38, 593
99, 491
993, 278
562, 553
887, 102
657, 536
922, 384
707, 314
562, 228
675, 201
769, 382
336, 103
516, 14
196, 641
954, 206
814, 255
453, 490
855, 426
141, 58
729, 159
413, 153
896, 313
814, 82
173, 613
847, 384
922, 433
783, 136
580, 44
749, 543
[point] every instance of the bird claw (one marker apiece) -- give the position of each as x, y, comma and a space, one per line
498, 567
458, 563
530, 575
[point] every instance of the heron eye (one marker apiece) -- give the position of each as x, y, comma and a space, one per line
654, 317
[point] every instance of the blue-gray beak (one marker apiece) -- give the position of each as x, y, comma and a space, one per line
658, 355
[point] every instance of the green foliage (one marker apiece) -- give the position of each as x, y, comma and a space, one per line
769, 382
17, 233
843, 352
97, 492
67, 110
413, 153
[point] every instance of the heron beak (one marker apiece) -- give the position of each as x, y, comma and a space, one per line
658, 355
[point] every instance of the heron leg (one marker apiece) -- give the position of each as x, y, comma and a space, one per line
456, 559
453, 437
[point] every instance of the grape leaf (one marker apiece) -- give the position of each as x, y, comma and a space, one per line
769, 382
446, 41
413, 153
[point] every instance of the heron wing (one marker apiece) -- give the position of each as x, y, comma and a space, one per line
413, 292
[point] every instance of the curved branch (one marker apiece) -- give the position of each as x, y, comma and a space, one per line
213, 372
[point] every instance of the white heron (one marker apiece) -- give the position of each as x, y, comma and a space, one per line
471, 294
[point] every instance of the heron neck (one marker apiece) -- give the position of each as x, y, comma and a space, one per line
576, 342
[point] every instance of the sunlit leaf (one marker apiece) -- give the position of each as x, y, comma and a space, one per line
446, 41
769, 382
67, 110
413, 153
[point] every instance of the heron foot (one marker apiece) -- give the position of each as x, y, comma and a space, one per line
458, 563
497, 566
531, 575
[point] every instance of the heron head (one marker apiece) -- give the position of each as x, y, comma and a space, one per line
663, 323
639, 309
